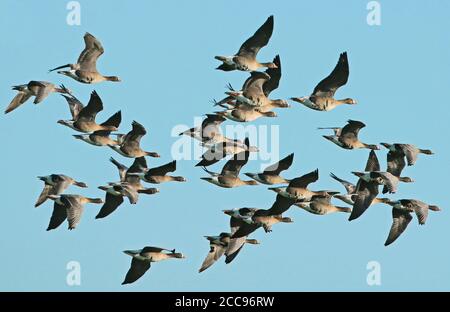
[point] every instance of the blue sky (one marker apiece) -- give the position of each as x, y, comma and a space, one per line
163, 51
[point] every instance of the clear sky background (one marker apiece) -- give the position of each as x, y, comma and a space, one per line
163, 51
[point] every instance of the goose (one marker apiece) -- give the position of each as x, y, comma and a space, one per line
297, 188
256, 90
216, 152
348, 198
322, 98
321, 205
131, 175
396, 157
245, 114
387, 179
367, 186
209, 130
85, 70
142, 259
83, 117
218, 245
70, 207
245, 59
245, 221
130, 146
347, 137
39, 89
159, 174
401, 216
229, 177
55, 184
271, 175
114, 197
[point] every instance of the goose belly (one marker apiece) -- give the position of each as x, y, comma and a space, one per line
228, 182
299, 193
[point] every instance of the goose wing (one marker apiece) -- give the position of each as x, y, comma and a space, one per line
259, 39
44, 89
235, 164
280, 206
349, 187
95, 105
111, 203
75, 105
410, 152
20, 98
215, 252
59, 215
275, 76
400, 221
365, 194
305, 180
279, 166
48, 190
121, 167
338, 77
350, 131
92, 51
137, 269
74, 210
162, 170
133, 138
372, 162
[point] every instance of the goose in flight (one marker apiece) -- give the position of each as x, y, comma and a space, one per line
347, 137
130, 145
245, 59
209, 131
159, 174
229, 176
245, 221
401, 216
217, 247
216, 152
396, 157
131, 175
83, 119
70, 207
115, 192
245, 114
39, 89
256, 90
322, 98
271, 175
142, 259
55, 184
349, 197
297, 188
369, 180
321, 205
85, 70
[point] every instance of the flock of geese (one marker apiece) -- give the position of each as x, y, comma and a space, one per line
245, 105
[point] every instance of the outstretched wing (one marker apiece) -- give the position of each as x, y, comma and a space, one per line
338, 77
259, 39
137, 269
92, 51
400, 221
